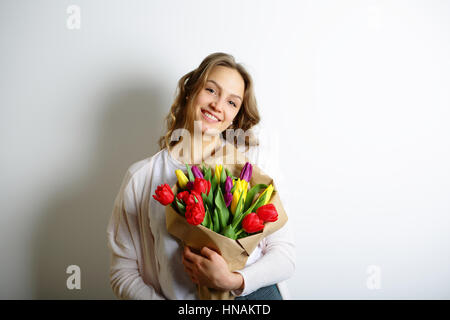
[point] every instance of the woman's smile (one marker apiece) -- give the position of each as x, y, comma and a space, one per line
209, 117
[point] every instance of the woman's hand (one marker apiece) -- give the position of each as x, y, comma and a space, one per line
210, 269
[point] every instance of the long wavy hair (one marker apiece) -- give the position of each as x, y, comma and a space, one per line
189, 86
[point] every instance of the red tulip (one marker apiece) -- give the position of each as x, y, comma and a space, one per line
252, 223
267, 213
190, 200
202, 186
183, 195
195, 211
164, 194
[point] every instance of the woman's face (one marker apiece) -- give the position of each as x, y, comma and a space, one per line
219, 101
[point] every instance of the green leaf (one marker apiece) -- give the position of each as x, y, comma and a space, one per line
233, 188
223, 176
207, 175
207, 221
181, 207
238, 212
207, 200
251, 194
190, 174
216, 222
243, 234
210, 197
229, 232
222, 210
213, 182
203, 169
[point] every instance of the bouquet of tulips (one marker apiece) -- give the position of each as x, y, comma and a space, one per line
219, 201
226, 206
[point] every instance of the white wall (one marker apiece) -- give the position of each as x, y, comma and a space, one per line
355, 93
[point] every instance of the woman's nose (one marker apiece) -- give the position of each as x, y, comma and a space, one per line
217, 104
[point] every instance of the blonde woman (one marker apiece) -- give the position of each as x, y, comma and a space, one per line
147, 262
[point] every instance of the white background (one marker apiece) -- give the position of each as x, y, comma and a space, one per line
355, 105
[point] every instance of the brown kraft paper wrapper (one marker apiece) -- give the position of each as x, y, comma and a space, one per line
235, 252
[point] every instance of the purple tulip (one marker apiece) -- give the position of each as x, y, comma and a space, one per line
228, 197
228, 184
196, 171
246, 172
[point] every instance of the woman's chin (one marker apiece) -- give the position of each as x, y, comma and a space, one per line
210, 132
210, 128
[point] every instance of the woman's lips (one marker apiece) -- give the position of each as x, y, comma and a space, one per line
208, 119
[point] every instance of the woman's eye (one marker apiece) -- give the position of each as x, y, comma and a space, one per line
212, 91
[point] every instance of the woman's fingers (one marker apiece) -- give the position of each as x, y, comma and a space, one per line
189, 260
189, 255
208, 253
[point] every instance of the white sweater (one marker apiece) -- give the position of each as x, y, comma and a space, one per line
146, 259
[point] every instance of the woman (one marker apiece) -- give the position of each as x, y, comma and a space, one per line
147, 262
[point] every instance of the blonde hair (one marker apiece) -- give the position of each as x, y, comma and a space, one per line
189, 86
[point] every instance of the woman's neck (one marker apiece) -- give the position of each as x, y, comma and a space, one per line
196, 149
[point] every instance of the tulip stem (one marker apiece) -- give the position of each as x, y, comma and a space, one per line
239, 232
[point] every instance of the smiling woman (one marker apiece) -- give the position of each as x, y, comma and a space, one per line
216, 106
147, 262
220, 94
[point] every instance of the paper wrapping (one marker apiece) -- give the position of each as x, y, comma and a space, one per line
235, 252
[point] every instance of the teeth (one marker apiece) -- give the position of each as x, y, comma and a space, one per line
210, 116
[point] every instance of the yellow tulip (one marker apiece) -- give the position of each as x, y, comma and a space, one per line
218, 172
182, 179
244, 185
267, 193
240, 188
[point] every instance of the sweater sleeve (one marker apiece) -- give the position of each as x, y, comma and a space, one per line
124, 241
276, 264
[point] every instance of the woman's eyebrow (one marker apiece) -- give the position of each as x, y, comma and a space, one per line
234, 95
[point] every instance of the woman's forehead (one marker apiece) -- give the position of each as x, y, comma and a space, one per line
228, 80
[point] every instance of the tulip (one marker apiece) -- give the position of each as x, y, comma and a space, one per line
236, 195
190, 185
252, 223
267, 213
244, 185
228, 198
182, 179
193, 198
218, 172
183, 196
196, 171
264, 197
268, 192
228, 184
164, 194
246, 172
195, 211
202, 186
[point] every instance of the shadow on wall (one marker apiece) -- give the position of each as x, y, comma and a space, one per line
73, 231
